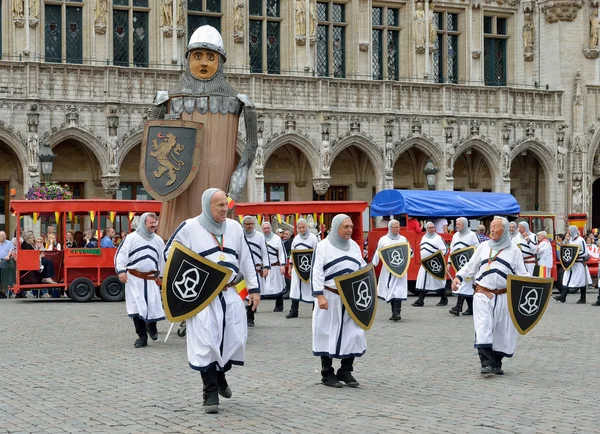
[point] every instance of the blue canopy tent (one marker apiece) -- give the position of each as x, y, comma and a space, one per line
440, 203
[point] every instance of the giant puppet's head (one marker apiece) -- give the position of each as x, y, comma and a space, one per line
205, 53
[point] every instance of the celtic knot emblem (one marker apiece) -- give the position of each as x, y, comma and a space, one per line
362, 296
435, 265
304, 263
529, 303
567, 255
396, 258
462, 260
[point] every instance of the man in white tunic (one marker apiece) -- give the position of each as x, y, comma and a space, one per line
430, 244
335, 334
463, 238
299, 290
544, 254
275, 281
390, 288
575, 278
493, 261
216, 337
260, 257
513, 232
139, 263
527, 242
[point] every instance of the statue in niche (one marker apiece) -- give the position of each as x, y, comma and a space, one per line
419, 25
300, 18
594, 29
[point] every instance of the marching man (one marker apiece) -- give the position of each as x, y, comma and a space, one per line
544, 255
138, 263
492, 262
299, 289
527, 242
576, 277
275, 280
431, 243
260, 257
462, 239
391, 288
216, 336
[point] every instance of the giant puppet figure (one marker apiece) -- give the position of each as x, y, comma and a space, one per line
192, 145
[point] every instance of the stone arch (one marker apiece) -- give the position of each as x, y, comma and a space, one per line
130, 141
543, 154
490, 154
594, 148
370, 149
425, 145
17, 148
91, 144
296, 140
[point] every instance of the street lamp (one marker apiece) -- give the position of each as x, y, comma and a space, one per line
430, 172
47, 158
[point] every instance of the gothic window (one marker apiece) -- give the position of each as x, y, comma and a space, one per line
63, 31
203, 12
385, 38
495, 36
264, 25
130, 33
445, 58
331, 39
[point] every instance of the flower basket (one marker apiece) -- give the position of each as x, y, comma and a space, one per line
51, 191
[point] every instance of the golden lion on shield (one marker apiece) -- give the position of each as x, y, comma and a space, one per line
168, 147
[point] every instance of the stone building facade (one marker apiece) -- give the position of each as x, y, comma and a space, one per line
354, 96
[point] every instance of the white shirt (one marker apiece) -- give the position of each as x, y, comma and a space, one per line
439, 225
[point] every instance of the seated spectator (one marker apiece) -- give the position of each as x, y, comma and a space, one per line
51, 231
51, 243
481, 234
79, 241
90, 241
107, 238
441, 225
414, 225
71, 243
5, 256
46, 266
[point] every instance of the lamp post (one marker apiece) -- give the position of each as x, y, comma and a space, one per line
47, 158
430, 172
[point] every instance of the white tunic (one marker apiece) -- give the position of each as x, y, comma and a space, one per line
390, 287
545, 256
142, 297
493, 325
578, 276
275, 281
425, 281
260, 257
460, 242
528, 249
335, 334
217, 335
298, 289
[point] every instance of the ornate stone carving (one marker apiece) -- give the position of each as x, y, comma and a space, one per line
238, 21
561, 10
312, 12
594, 28
578, 90
416, 126
300, 9
577, 151
419, 27
325, 128
321, 185
528, 37
389, 147
354, 124
18, 10
591, 53
363, 46
476, 54
577, 205
290, 122
259, 161
474, 127
530, 130
110, 183
72, 115
100, 10
33, 145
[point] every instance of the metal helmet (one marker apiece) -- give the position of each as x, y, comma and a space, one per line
207, 37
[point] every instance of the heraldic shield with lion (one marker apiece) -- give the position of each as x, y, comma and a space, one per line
527, 300
358, 292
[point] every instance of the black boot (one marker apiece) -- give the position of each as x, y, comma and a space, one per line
469, 311
498, 366
488, 361
328, 376
396, 308
345, 373
250, 316
152, 332
444, 299
278, 304
582, 299
597, 302
456, 310
294, 309
222, 386
562, 297
3, 294
140, 329
420, 301
210, 391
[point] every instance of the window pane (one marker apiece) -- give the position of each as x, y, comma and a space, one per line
438, 56
377, 36
337, 14
125, 192
339, 47
141, 193
213, 5
195, 21
494, 61
273, 47
501, 26
121, 2
452, 65
53, 33
392, 17
255, 8
393, 55
487, 24
273, 8
322, 51
322, 11
438, 20
120, 38
255, 36
277, 193
74, 35
452, 22
194, 5
376, 14
140, 39
500, 61
140, 3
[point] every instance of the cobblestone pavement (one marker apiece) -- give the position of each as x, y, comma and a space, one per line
70, 367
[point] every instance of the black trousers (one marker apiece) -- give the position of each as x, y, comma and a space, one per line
142, 327
48, 271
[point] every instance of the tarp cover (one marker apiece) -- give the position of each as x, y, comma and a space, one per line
439, 203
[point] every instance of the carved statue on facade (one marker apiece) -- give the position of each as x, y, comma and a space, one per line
594, 28
577, 197
113, 149
562, 151
34, 9
300, 18
389, 159
100, 12
506, 161
32, 146
17, 6
578, 92
528, 36
167, 13
432, 28
313, 17
326, 158
181, 13
419, 26
238, 18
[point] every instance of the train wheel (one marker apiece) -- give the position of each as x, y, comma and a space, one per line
81, 289
112, 289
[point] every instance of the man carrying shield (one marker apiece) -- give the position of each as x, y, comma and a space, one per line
275, 280
393, 286
260, 257
216, 336
576, 276
490, 266
544, 255
302, 250
335, 333
462, 240
527, 242
138, 263
432, 244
